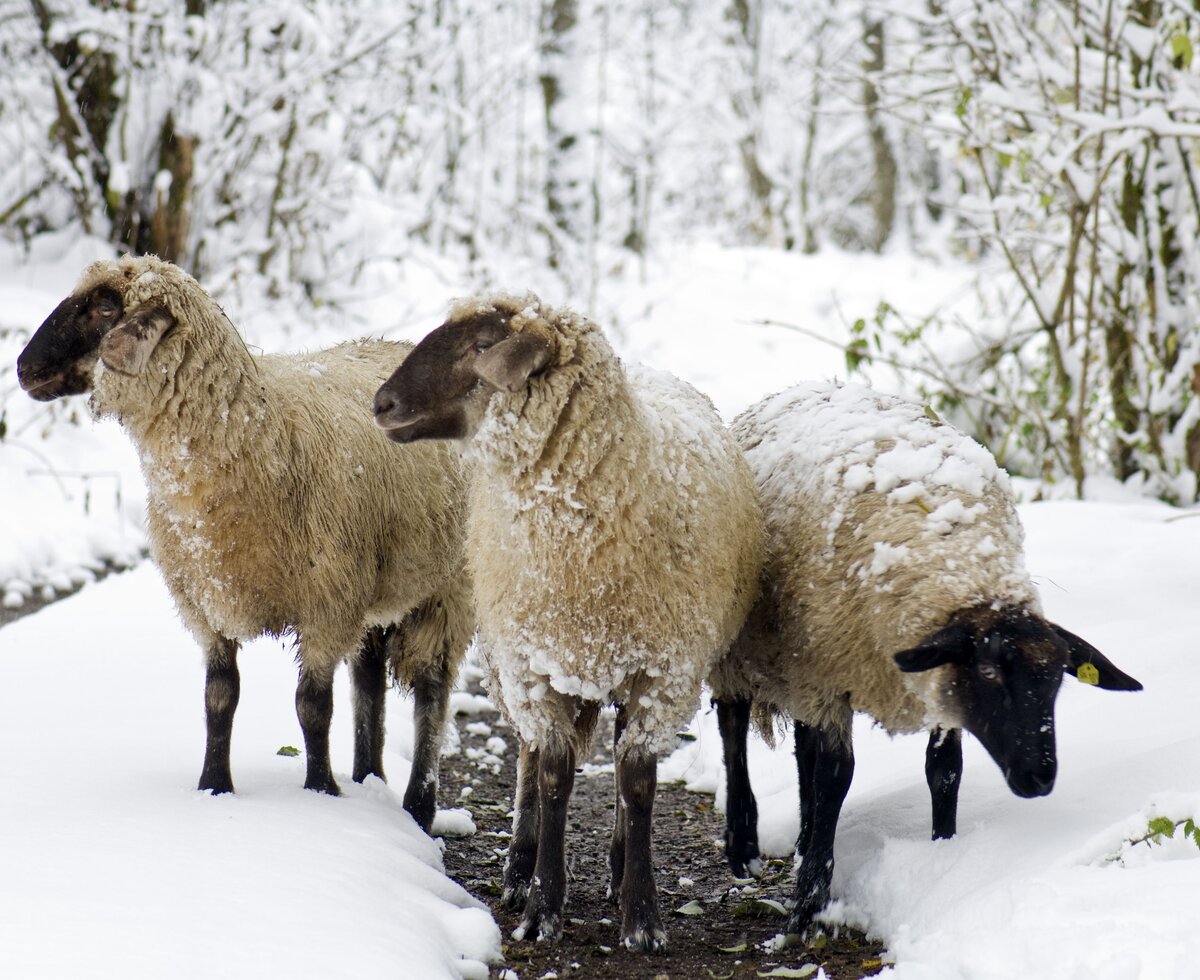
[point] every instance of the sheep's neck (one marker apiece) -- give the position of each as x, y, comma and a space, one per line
562, 433
205, 409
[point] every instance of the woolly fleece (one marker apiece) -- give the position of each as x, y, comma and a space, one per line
881, 522
614, 537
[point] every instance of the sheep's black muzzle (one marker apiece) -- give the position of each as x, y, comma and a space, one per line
61, 355
1028, 785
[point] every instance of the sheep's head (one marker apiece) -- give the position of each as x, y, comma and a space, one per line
444, 385
1006, 667
103, 319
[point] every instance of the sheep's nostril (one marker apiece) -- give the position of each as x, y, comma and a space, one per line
384, 403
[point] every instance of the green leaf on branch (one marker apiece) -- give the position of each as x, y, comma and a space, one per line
857, 354
962, 99
1160, 826
1181, 49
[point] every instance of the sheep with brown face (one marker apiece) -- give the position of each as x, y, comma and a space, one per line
614, 543
896, 586
275, 507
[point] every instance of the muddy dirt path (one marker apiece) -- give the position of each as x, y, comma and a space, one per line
727, 939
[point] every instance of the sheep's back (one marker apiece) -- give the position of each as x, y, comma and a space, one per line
881, 521
317, 523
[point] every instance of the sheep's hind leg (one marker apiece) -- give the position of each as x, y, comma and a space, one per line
641, 926
741, 809
827, 767
368, 675
222, 688
805, 761
943, 772
314, 707
431, 701
522, 847
548, 890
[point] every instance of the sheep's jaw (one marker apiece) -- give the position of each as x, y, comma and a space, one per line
61, 356
422, 427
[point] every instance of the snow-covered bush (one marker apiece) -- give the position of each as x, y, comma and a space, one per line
1067, 131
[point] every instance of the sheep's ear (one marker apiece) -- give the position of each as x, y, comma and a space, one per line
1081, 653
512, 362
127, 346
950, 644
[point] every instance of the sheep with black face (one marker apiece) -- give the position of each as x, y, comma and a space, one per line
895, 585
614, 542
275, 507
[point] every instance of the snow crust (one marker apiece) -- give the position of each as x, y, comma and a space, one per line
115, 866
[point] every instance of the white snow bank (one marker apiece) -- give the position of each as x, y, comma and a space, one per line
114, 866
1027, 888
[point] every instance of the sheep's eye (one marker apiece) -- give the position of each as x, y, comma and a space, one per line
106, 307
989, 672
480, 346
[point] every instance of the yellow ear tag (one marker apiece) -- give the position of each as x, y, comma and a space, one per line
1088, 674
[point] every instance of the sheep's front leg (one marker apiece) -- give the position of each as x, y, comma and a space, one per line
314, 707
548, 891
222, 688
943, 772
641, 925
522, 848
827, 767
616, 852
431, 700
368, 675
805, 761
741, 809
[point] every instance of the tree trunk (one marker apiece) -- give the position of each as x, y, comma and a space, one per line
565, 167
883, 178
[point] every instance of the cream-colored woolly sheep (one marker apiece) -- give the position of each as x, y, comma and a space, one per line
275, 506
895, 585
614, 542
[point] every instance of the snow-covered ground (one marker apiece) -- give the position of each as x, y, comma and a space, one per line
115, 866
1030, 888
112, 865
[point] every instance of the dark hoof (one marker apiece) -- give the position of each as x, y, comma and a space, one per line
746, 867
423, 807
360, 775
518, 873
514, 896
216, 782
649, 937
542, 926
743, 857
802, 922
614, 886
323, 786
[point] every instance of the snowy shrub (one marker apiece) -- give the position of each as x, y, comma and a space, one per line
1067, 132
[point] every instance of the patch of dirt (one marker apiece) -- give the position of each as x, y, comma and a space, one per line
727, 938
